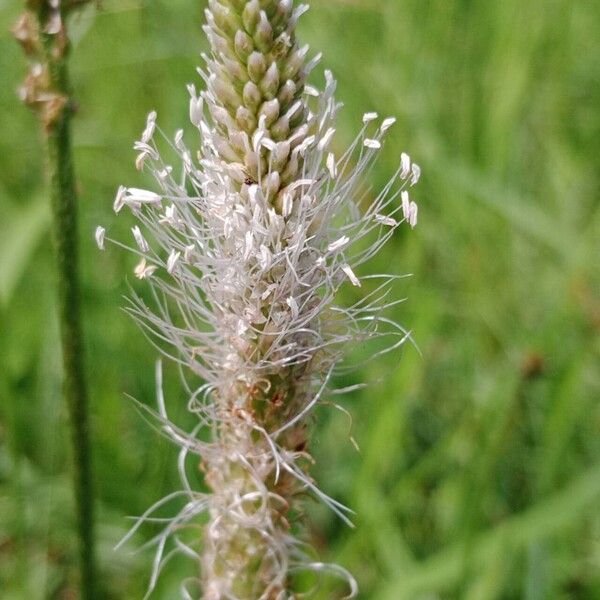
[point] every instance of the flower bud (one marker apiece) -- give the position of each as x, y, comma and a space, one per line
221, 116
283, 11
254, 164
225, 92
271, 184
280, 154
257, 65
225, 150
290, 173
223, 17
281, 129
239, 141
243, 44
269, 85
251, 16
287, 93
252, 96
219, 45
298, 136
264, 33
245, 119
270, 110
236, 70
294, 63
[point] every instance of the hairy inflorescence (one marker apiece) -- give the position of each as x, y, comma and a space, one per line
244, 247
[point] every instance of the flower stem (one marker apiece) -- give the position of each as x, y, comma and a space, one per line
42, 34
64, 219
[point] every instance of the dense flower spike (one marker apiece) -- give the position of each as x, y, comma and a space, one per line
256, 93
244, 254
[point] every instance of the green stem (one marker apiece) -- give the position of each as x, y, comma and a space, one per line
50, 96
64, 223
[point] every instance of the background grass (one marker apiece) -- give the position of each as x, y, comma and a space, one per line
479, 472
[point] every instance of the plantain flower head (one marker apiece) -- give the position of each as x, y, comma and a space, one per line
244, 242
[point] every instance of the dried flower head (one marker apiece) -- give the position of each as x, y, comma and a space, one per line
244, 251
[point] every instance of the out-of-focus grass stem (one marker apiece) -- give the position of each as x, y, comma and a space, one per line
41, 32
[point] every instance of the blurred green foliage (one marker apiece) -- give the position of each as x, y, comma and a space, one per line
479, 471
